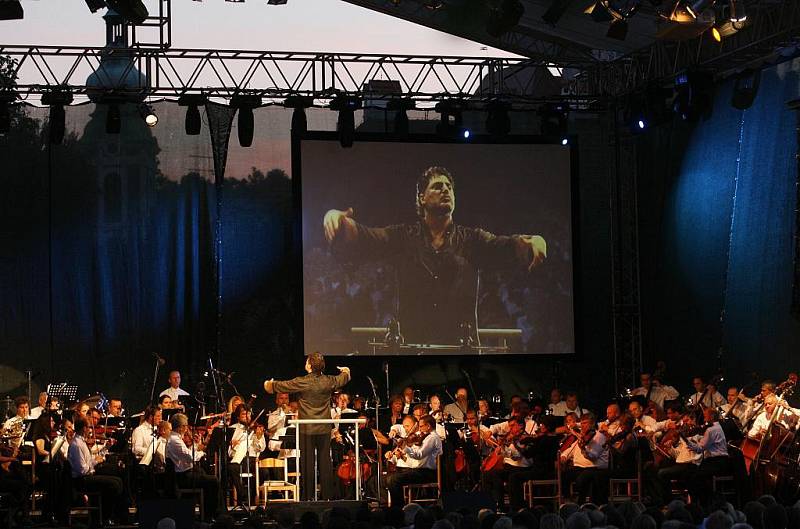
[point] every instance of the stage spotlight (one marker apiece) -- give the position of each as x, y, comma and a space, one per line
299, 119
696, 7
694, 95
95, 5
246, 123
401, 107
745, 89
346, 122
635, 113
133, 11
737, 13
113, 119
553, 120
466, 134
565, 141
504, 17
450, 109
11, 10
556, 11
192, 102
148, 114
56, 101
498, 122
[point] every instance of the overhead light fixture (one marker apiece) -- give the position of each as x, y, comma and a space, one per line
113, 119
95, 5
451, 119
401, 106
11, 10
696, 7
56, 123
504, 17
299, 120
133, 11
245, 126
346, 105
148, 114
498, 122
433, 5
694, 95
192, 102
737, 12
745, 89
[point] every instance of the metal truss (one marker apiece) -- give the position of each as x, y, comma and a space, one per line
271, 75
626, 310
774, 26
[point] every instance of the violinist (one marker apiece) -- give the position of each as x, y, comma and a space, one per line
426, 449
541, 450
519, 412
419, 411
654, 391
585, 462
612, 424
679, 463
276, 419
187, 474
247, 442
705, 395
397, 433
512, 461
714, 448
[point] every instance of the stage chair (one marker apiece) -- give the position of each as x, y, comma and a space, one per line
91, 507
285, 486
551, 490
409, 491
172, 489
625, 489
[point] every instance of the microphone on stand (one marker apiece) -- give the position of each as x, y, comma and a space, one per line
161, 361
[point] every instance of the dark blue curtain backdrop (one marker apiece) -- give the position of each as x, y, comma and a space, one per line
717, 216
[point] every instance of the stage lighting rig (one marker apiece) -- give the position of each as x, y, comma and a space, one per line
745, 88
277, 2
696, 7
192, 102
299, 104
95, 5
133, 11
245, 104
57, 100
11, 10
553, 120
447, 109
346, 105
694, 95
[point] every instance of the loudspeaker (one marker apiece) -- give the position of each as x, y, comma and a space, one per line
180, 510
452, 501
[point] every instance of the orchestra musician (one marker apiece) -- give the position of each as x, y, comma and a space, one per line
519, 412
315, 390
83, 463
15, 482
705, 396
408, 400
458, 409
557, 406
716, 462
571, 405
276, 418
395, 415
435, 408
16, 424
187, 474
247, 443
115, 407
156, 455
174, 390
142, 436
37, 411
654, 391
680, 462
585, 462
425, 449
785, 416
513, 460
541, 450
484, 410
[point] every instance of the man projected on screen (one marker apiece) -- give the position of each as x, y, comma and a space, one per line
437, 260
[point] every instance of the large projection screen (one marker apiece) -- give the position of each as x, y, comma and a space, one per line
384, 279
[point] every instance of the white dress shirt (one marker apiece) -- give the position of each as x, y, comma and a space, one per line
142, 438
683, 454
558, 409
648, 424
658, 394
35, 413
427, 453
239, 436
709, 400
785, 417
407, 462
179, 453
80, 458
502, 428
174, 393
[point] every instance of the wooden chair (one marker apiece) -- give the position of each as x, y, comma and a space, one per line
625, 489
410, 491
725, 485
550, 490
285, 485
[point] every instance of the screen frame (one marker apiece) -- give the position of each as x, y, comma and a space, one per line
511, 139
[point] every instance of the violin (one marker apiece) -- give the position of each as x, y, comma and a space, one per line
569, 439
586, 437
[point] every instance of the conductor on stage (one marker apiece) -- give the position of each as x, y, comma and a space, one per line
315, 391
